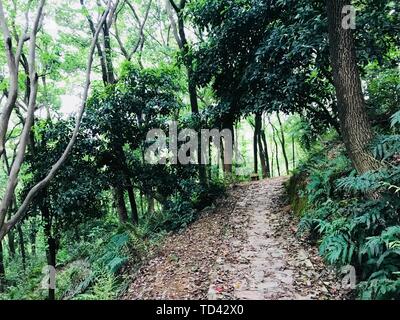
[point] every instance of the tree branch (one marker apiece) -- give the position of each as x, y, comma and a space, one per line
6, 226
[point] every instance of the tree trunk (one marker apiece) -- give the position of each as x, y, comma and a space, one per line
32, 239
11, 244
228, 124
192, 86
255, 142
51, 249
283, 142
272, 162
150, 205
354, 123
276, 151
293, 154
2, 269
264, 140
108, 54
51, 261
22, 246
141, 203
132, 201
120, 204
209, 161
257, 132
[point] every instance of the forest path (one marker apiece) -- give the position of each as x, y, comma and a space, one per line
246, 248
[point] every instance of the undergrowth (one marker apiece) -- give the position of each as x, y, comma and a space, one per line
355, 219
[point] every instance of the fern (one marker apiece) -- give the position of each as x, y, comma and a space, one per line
395, 119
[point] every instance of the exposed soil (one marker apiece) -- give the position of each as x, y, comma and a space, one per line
246, 248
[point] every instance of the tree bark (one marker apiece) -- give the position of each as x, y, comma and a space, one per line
255, 153
2, 269
293, 154
228, 124
51, 249
257, 132
32, 238
283, 142
264, 140
132, 201
150, 205
21, 243
11, 244
108, 54
276, 149
120, 204
354, 123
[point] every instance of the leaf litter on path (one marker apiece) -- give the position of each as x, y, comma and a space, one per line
245, 248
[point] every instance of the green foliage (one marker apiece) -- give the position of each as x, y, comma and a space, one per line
356, 218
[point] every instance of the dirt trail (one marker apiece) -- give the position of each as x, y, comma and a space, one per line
244, 249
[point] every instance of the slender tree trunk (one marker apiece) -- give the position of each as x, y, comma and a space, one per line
150, 205
184, 47
272, 162
51, 244
32, 239
264, 140
51, 261
228, 124
108, 54
283, 142
120, 204
141, 203
255, 153
209, 160
11, 244
262, 158
354, 123
257, 132
132, 200
276, 151
2, 269
21, 242
221, 158
293, 154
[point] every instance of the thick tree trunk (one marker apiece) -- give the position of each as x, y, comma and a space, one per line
283, 142
120, 204
354, 123
132, 201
